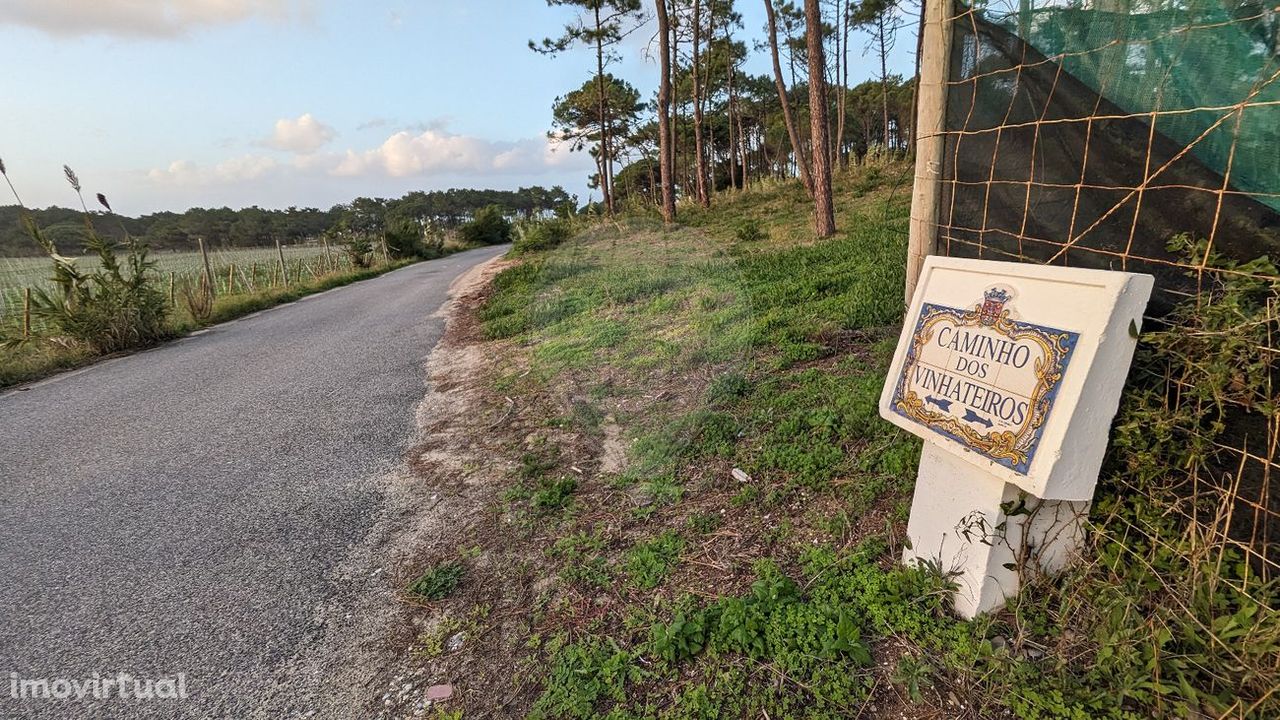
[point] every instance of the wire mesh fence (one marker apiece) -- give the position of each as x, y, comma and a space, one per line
1136, 135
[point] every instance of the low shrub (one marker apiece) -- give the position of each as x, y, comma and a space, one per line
359, 250
409, 239
198, 299
539, 235
489, 227
117, 306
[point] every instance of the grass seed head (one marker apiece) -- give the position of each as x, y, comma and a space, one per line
102, 200
71, 177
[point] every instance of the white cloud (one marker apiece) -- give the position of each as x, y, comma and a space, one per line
238, 169
143, 18
303, 136
433, 152
458, 160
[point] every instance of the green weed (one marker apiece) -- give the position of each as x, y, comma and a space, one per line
553, 495
583, 674
810, 421
434, 643
662, 490
585, 562
437, 582
647, 563
911, 674
704, 523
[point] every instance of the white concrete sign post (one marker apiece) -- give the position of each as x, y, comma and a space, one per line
1011, 373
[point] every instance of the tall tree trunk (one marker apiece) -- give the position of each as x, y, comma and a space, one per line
833, 71
730, 108
841, 111
653, 181
766, 163
708, 91
787, 119
675, 104
823, 207
599, 158
665, 148
699, 150
884, 77
742, 149
608, 166
605, 188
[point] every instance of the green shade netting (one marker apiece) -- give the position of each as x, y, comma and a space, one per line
1193, 63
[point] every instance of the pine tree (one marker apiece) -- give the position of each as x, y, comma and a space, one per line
603, 24
796, 147
666, 151
825, 211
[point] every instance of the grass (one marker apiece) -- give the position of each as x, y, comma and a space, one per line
744, 560
732, 341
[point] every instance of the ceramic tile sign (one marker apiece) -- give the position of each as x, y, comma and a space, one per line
982, 377
1017, 367
1011, 373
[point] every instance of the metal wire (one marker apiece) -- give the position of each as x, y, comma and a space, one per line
1007, 106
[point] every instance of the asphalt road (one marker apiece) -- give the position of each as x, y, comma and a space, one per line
189, 509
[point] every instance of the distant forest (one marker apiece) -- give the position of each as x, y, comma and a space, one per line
255, 226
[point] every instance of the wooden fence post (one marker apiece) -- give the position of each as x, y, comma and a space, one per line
173, 296
26, 313
208, 271
231, 279
284, 270
931, 119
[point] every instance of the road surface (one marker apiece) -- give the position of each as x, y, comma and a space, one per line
189, 513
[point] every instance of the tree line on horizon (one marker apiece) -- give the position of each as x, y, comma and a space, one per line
711, 126
259, 227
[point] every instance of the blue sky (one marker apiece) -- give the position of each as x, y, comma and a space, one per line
166, 104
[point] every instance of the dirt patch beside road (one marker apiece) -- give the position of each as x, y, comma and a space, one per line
448, 494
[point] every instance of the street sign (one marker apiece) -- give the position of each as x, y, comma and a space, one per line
1011, 373
1017, 368
983, 379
